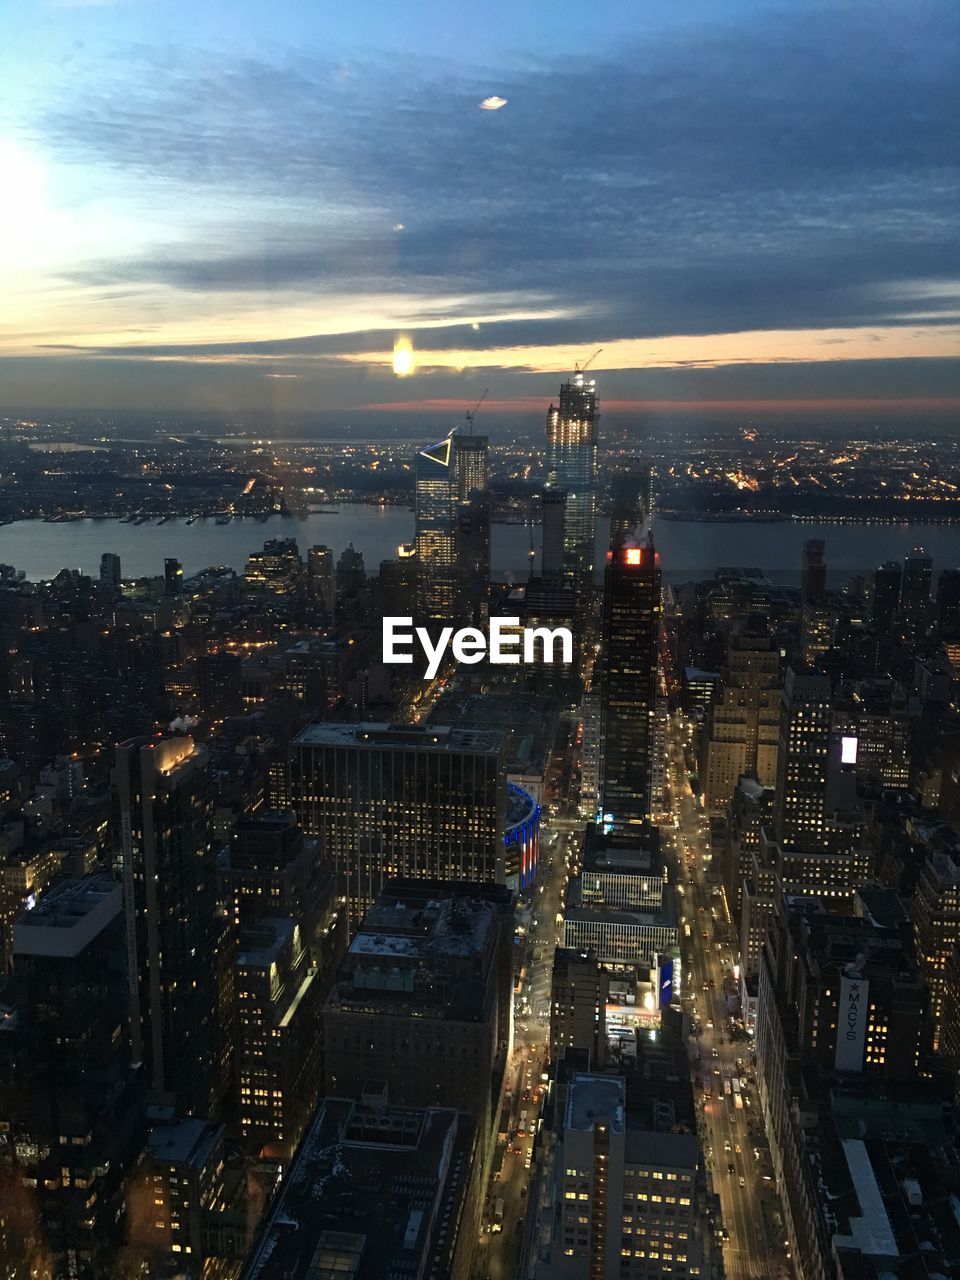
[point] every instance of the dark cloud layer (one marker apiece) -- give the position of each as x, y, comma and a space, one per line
795, 168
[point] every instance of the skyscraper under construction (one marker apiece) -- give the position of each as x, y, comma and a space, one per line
572, 468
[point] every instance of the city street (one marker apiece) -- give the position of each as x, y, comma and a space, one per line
735, 1147
500, 1250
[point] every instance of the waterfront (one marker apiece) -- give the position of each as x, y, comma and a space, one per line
687, 548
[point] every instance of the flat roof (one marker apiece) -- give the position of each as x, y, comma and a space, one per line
593, 1100
401, 737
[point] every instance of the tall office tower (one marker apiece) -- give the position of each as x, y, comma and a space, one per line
572, 467
743, 727
452, 528
629, 684
813, 570
320, 575
276, 568
473, 558
351, 576
172, 577
915, 594
437, 498
165, 808
625, 1190
876, 715
110, 569
416, 801
553, 503
220, 684
886, 595
948, 605
70, 1101
472, 463
424, 999
935, 908
799, 807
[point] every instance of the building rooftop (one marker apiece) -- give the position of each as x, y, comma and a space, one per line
188, 1142
528, 723
68, 917
594, 1100
372, 1193
401, 737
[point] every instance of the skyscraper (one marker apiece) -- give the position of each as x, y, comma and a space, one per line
629, 684
110, 569
422, 802
452, 529
320, 574
572, 466
915, 594
172, 577
799, 807
743, 727
164, 806
813, 571
552, 505
886, 594
948, 604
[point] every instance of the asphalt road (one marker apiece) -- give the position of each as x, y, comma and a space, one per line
499, 1251
750, 1211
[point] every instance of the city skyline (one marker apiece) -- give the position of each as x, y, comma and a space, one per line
250, 215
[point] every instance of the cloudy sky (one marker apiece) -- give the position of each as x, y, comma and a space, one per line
245, 205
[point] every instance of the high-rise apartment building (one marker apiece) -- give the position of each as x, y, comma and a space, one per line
168, 864
629, 685
886, 595
572, 468
813, 570
553, 504
321, 577
277, 568
948, 605
418, 801
172, 577
743, 726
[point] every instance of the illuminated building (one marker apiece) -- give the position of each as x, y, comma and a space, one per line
424, 802
935, 909
278, 1052
277, 568
423, 999
749, 810
625, 1192
70, 1099
875, 714
521, 838
321, 577
629, 673
915, 594
805, 722
579, 990
743, 725
572, 468
185, 1174
452, 529
164, 809
24, 876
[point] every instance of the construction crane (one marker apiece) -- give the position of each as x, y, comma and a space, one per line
470, 414
582, 368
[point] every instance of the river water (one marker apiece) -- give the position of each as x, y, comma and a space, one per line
687, 548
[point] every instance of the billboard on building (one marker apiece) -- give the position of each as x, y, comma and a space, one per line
851, 1023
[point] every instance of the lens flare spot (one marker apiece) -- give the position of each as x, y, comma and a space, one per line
403, 362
